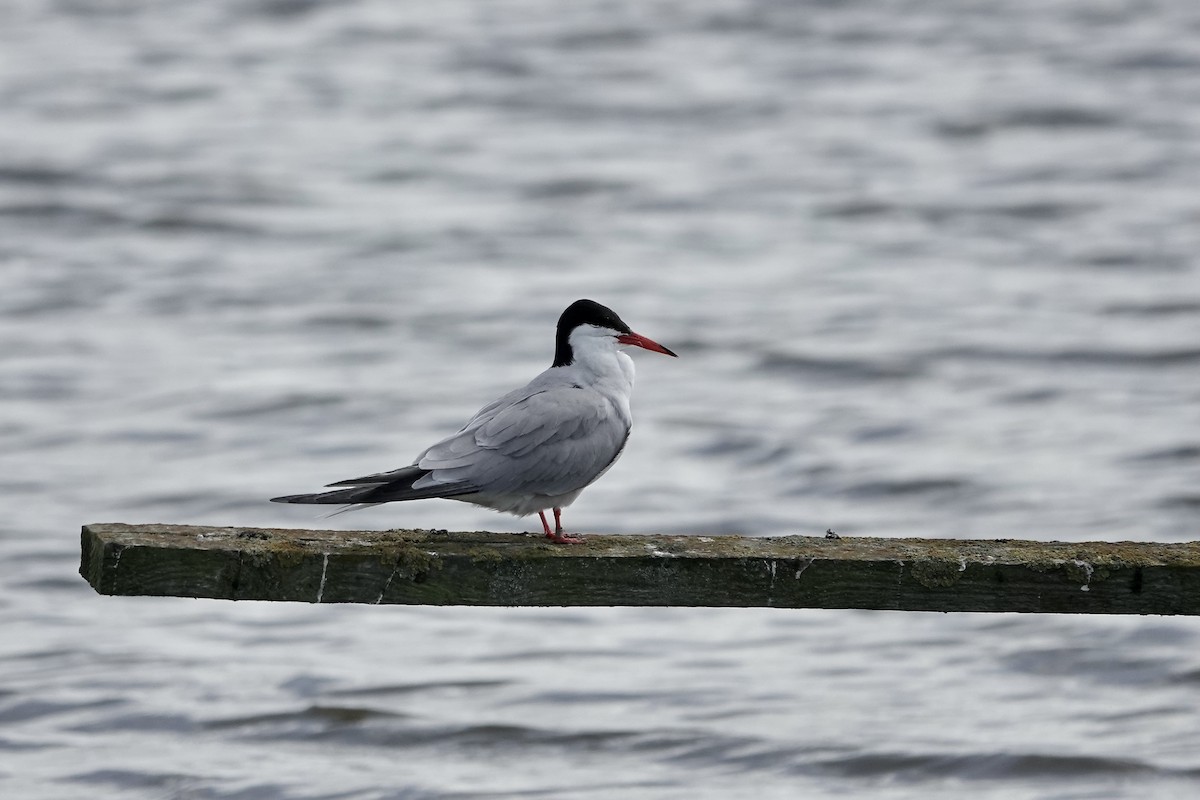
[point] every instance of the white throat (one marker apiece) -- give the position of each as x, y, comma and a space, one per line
595, 352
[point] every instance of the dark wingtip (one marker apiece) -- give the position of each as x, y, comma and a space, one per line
308, 499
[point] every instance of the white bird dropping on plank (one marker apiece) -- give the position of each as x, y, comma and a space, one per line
535, 448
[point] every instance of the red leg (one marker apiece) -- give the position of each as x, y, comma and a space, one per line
558, 537
546, 525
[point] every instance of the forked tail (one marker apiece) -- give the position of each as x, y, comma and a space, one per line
384, 487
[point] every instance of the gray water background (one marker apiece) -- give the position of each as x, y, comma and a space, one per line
931, 269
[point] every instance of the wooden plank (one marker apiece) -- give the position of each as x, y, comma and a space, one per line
501, 569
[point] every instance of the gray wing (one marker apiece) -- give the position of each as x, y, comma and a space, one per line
551, 442
413, 472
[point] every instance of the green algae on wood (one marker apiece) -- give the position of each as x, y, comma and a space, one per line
500, 569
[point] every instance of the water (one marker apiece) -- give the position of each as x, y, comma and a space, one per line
931, 270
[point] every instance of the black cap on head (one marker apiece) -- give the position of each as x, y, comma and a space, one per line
582, 312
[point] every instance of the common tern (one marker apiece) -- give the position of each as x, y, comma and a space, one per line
535, 448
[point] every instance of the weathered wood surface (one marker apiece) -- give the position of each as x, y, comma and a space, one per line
501, 569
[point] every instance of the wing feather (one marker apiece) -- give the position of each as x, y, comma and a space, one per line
552, 442
538, 440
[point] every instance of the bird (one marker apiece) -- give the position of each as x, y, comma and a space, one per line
535, 448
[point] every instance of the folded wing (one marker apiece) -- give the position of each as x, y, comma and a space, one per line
549, 442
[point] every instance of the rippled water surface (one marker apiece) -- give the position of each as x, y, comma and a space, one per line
931, 269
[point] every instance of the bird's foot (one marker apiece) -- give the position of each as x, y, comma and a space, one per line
558, 537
